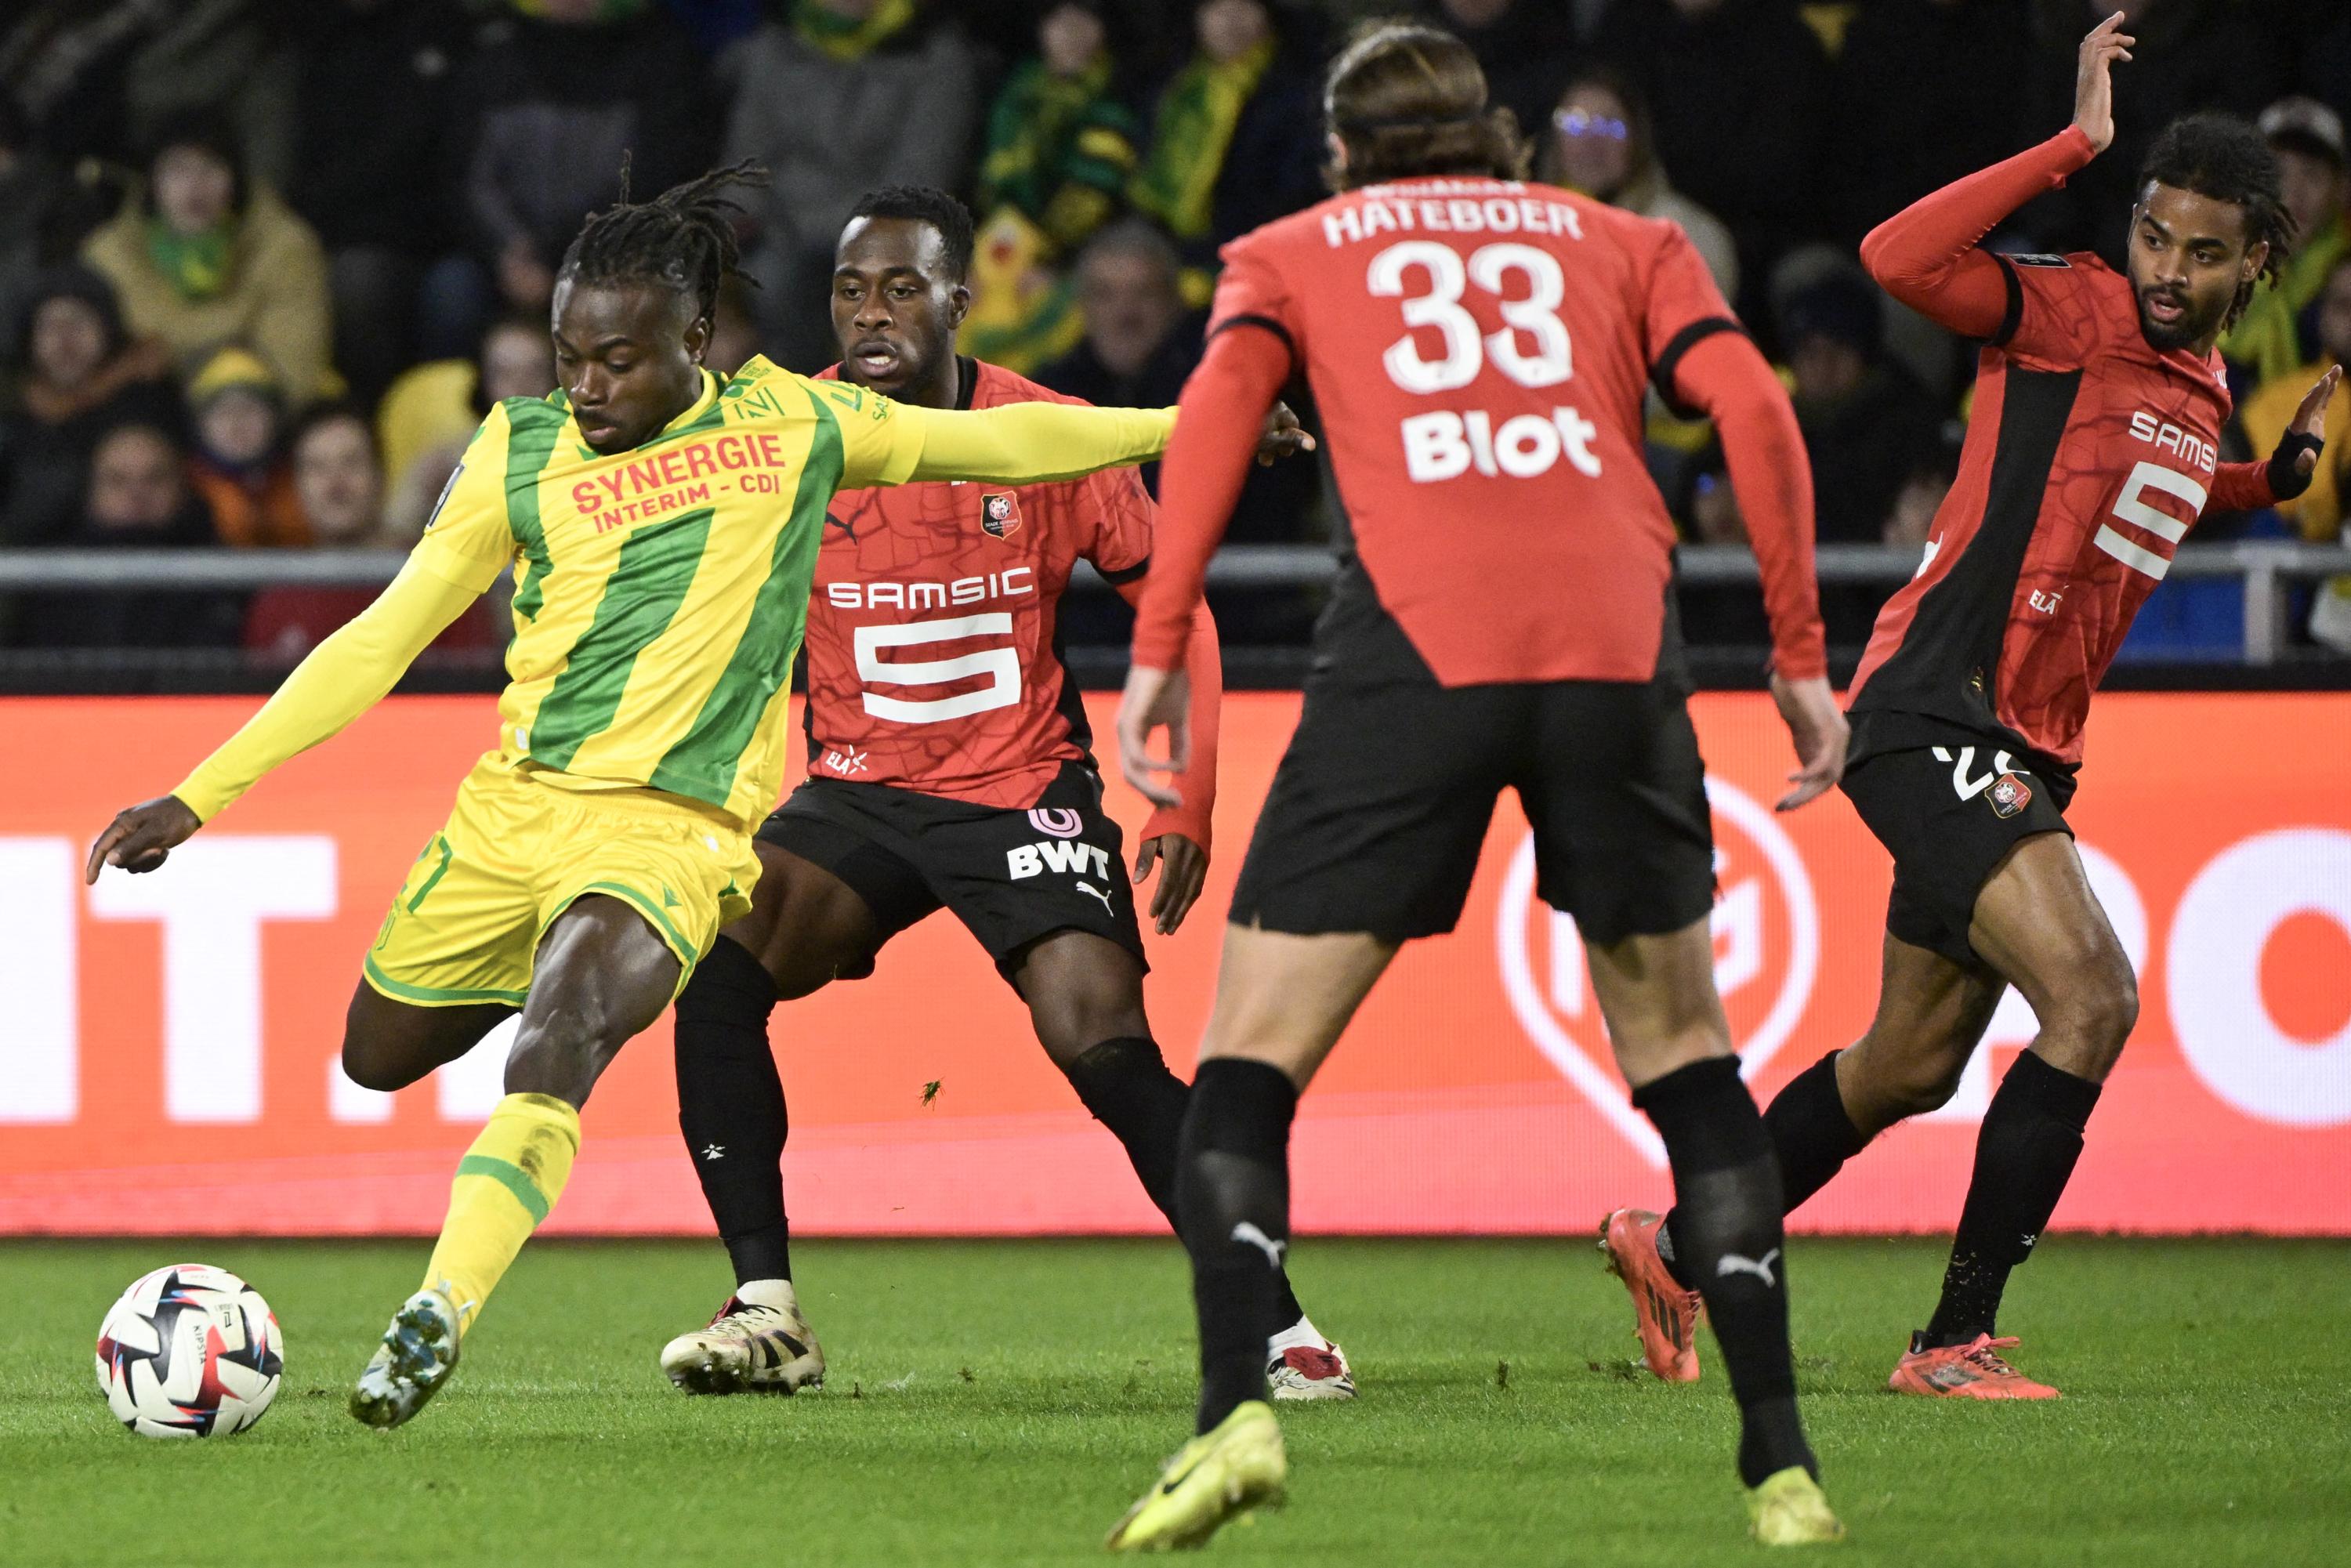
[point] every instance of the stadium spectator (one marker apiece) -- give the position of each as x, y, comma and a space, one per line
1739, 93
1868, 426
1523, 47
339, 482
2317, 515
236, 413
1129, 293
1908, 110
2191, 54
1599, 140
373, 109
80, 375
103, 78
1141, 343
1237, 140
836, 98
1061, 148
432, 412
1060, 145
2274, 337
559, 96
32, 192
201, 255
138, 499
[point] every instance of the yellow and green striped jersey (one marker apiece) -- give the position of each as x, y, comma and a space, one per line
660, 593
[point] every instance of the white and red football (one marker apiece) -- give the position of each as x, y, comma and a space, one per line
190, 1351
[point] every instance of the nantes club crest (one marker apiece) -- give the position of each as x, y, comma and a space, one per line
999, 513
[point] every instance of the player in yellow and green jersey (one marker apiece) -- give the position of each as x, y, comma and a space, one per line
663, 529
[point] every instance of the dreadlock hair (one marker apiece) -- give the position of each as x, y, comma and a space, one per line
2222, 157
684, 237
1409, 100
925, 205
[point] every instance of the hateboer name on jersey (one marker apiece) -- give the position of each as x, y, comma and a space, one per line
1426, 207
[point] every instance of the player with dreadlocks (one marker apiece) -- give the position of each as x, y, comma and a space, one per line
2093, 447
663, 529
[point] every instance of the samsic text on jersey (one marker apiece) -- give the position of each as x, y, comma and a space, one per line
934, 655
1487, 446
2089, 455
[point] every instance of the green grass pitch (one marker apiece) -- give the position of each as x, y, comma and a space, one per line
1001, 1403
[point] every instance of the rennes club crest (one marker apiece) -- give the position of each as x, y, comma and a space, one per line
999, 513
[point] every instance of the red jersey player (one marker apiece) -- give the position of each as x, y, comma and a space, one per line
2093, 448
1479, 349
947, 768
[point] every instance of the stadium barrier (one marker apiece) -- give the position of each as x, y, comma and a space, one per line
168, 1043
2265, 569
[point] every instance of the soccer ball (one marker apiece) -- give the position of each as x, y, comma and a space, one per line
190, 1351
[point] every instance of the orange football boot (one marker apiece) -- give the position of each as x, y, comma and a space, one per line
1971, 1370
1665, 1316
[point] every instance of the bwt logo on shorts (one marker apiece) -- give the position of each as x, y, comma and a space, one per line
1767, 945
1056, 854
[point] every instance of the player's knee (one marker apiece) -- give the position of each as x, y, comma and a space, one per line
2093, 997
1919, 1086
371, 1066
2106, 1008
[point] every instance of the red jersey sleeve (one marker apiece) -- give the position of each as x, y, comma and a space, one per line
2241, 487
1684, 307
1119, 509
1251, 353
1931, 255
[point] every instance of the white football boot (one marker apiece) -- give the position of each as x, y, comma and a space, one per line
418, 1353
765, 1349
1301, 1364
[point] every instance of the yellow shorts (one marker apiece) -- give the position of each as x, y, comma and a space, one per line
516, 853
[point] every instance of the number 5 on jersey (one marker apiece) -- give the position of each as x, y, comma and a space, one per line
1001, 666
1445, 444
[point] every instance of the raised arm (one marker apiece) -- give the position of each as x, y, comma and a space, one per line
343, 676
1929, 257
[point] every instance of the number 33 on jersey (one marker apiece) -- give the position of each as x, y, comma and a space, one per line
1479, 350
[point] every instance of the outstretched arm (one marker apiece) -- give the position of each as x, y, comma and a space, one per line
1028, 442
1930, 254
2248, 486
344, 676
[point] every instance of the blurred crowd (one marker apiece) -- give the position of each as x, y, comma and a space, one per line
264, 264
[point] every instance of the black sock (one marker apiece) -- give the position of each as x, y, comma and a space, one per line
1728, 1239
1233, 1193
730, 1106
1812, 1137
1126, 1084
2032, 1134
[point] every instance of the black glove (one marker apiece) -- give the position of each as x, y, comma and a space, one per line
2287, 480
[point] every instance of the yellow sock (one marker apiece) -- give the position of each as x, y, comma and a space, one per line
505, 1185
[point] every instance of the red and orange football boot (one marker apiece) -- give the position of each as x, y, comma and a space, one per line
1971, 1371
1665, 1314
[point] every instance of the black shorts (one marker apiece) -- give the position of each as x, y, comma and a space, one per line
1382, 802
1012, 876
1948, 803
